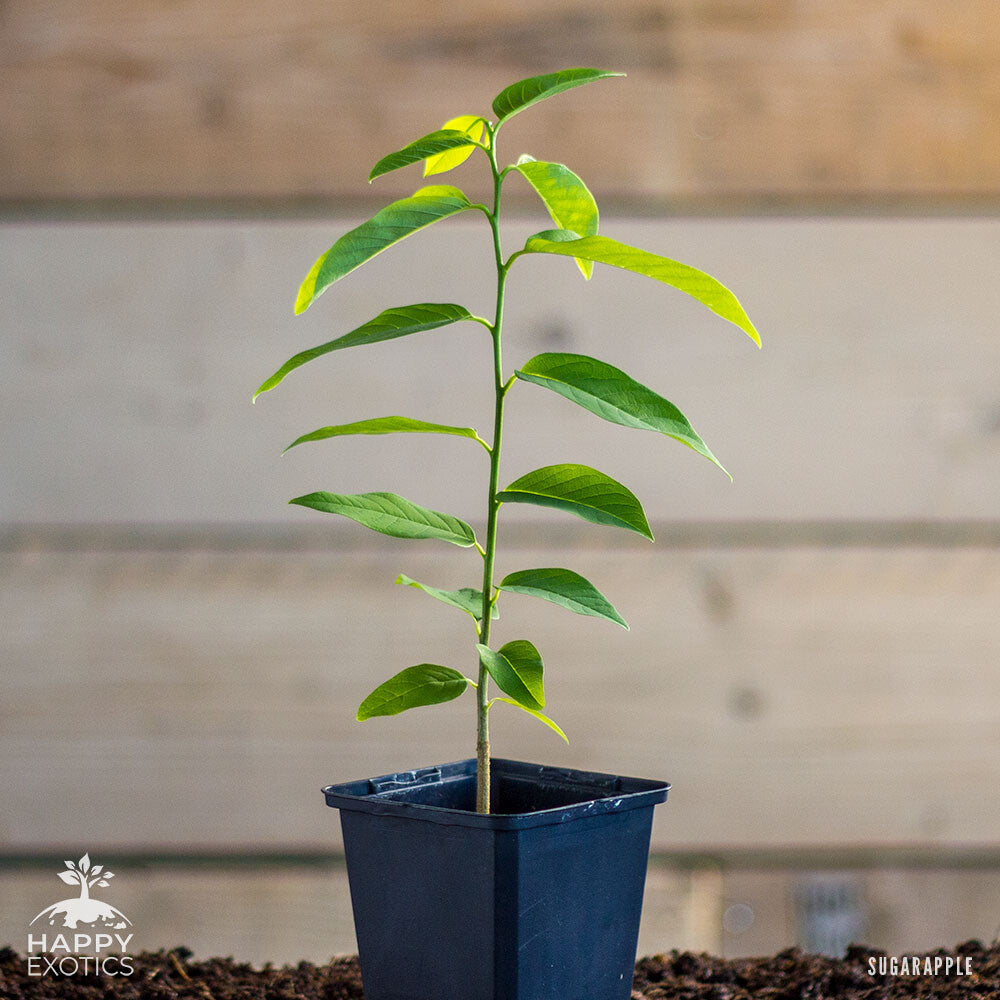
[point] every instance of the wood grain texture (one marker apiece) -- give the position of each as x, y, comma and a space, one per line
281, 914
286, 915
793, 696
130, 377
765, 100
901, 910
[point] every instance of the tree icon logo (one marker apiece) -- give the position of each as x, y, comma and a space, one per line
85, 909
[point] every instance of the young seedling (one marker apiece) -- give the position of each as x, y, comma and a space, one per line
515, 667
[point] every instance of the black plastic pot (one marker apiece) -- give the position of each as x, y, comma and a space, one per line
540, 900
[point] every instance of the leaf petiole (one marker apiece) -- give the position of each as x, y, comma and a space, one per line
510, 260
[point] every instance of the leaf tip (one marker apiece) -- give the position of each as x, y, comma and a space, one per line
307, 292
728, 474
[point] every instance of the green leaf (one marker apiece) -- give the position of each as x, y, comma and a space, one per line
566, 197
467, 599
434, 143
537, 715
472, 126
556, 236
390, 225
603, 250
612, 395
583, 491
565, 588
399, 321
391, 515
524, 93
517, 668
424, 684
387, 425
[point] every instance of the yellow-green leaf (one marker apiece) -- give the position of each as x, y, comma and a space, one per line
399, 321
538, 715
444, 142
472, 126
707, 290
583, 491
387, 425
567, 198
517, 668
565, 588
391, 514
392, 224
467, 599
524, 93
424, 684
612, 395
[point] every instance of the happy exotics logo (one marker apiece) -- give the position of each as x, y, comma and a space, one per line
100, 948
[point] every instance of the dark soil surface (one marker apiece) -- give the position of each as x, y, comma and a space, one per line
790, 975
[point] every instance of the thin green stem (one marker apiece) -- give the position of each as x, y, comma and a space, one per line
482, 692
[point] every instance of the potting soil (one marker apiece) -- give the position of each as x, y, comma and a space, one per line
969, 972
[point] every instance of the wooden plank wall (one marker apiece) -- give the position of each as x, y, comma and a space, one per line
286, 913
795, 696
749, 101
874, 402
874, 397
814, 648
826, 677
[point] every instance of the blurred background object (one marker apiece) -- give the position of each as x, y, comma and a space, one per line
813, 651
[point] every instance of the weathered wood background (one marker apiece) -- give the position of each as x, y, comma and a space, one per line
828, 679
793, 695
813, 659
281, 912
736, 99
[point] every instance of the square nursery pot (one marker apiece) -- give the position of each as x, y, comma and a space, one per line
540, 900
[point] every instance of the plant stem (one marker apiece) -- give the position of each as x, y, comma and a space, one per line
482, 693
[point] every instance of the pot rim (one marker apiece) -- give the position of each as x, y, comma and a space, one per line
592, 793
